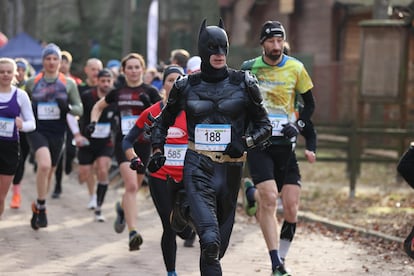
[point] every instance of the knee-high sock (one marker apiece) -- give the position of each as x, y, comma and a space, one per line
100, 193
286, 236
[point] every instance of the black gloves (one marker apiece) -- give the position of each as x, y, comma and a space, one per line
63, 105
236, 149
157, 160
136, 164
90, 129
290, 130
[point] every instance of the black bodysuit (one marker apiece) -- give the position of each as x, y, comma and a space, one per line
219, 112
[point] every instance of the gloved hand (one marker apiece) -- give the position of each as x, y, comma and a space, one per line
136, 164
290, 130
90, 128
236, 148
157, 160
63, 105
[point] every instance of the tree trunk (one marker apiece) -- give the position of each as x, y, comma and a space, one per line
4, 17
127, 28
30, 17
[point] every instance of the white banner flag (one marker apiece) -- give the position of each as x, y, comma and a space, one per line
152, 35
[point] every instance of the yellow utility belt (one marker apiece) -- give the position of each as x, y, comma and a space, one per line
217, 156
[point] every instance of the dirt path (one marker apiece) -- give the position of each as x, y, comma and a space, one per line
74, 244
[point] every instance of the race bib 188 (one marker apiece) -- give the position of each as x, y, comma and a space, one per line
212, 137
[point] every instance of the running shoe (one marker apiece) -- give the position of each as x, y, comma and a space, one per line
249, 207
92, 203
135, 240
119, 224
190, 241
39, 217
177, 221
99, 217
280, 271
42, 218
15, 202
33, 221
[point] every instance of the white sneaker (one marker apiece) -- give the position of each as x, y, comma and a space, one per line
92, 203
99, 217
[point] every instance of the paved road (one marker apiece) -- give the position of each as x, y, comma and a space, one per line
74, 244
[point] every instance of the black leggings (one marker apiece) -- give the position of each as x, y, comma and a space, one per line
163, 196
212, 190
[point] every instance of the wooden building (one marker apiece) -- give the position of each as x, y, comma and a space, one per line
327, 36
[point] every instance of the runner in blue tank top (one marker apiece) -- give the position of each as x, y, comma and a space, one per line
53, 96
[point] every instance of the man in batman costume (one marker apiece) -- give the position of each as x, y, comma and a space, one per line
225, 117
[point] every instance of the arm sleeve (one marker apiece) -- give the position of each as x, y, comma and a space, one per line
74, 98
129, 139
72, 123
29, 122
309, 133
309, 106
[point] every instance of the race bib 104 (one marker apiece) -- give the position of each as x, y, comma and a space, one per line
48, 111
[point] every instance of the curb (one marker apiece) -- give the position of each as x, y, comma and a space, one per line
308, 216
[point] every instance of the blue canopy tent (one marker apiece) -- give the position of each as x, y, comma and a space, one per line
24, 46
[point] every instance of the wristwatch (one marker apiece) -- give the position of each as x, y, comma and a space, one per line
249, 142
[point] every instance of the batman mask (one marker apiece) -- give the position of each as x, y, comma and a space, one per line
212, 40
